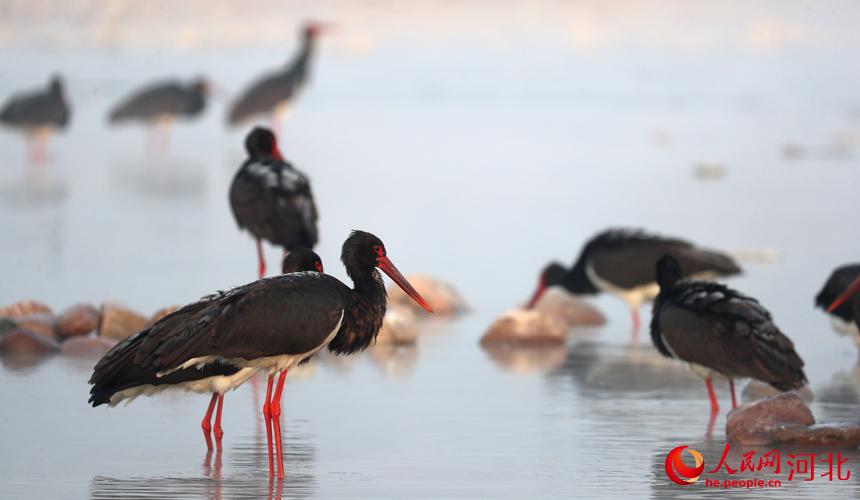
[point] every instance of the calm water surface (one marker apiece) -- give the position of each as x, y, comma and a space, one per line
476, 159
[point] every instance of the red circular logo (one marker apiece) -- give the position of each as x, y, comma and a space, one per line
681, 473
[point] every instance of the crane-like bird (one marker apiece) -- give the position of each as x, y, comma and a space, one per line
118, 377
849, 298
271, 324
159, 104
271, 199
37, 114
719, 331
621, 262
843, 316
272, 93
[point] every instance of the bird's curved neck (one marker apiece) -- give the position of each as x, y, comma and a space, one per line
305, 52
363, 317
577, 281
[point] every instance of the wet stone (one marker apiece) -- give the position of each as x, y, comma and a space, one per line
22, 341
119, 322
25, 308
87, 347
569, 308
42, 323
525, 328
756, 390
398, 327
442, 296
80, 319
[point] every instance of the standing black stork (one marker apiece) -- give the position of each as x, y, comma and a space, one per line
271, 324
621, 262
842, 317
271, 94
37, 113
160, 103
849, 293
719, 331
118, 376
271, 199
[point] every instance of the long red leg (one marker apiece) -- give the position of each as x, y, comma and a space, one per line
207, 427
734, 401
636, 323
262, 267
276, 420
219, 432
267, 415
715, 406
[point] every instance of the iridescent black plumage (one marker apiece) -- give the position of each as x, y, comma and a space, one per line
838, 281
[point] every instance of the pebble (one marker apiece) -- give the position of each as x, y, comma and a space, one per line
80, 319
442, 296
569, 308
42, 323
25, 308
87, 347
119, 322
525, 328
22, 341
398, 327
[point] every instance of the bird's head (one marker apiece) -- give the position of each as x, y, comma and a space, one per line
668, 271
553, 274
849, 292
301, 260
313, 29
261, 143
363, 252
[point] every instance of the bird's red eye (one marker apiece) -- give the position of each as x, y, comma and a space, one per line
378, 250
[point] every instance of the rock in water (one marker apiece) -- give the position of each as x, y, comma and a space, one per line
525, 328
119, 322
42, 323
569, 308
398, 327
87, 347
785, 420
80, 319
23, 341
442, 297
24, 308
756, 390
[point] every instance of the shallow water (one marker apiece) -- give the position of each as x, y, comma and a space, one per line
477, 156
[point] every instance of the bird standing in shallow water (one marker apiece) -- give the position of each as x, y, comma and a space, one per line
271, 94
160, 103
271, 324
842, 316
271, 199
37, 114
719, 331
621, 262
118, 376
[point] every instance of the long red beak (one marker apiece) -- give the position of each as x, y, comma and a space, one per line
537, 295
388, 268
853, 288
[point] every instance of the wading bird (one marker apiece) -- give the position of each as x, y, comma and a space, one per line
851, 298
271, 324
843, 316
37, 114
118, 376
271, 199
621, 262
272, 94
159, 104
719, 331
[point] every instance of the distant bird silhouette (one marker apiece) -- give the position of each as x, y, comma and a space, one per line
271, 199
37, 114
159, 104
717, 330
272, 93
621, 262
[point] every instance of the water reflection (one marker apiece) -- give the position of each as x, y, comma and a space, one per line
525, 360
839, 398
245, 475
395, 361
161, 177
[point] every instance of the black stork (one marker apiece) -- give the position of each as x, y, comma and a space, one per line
271, 199
271, 324
272, 93
158, 104
118, 376
37, 114
842, 317
719, 331
849, 293
621, 262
